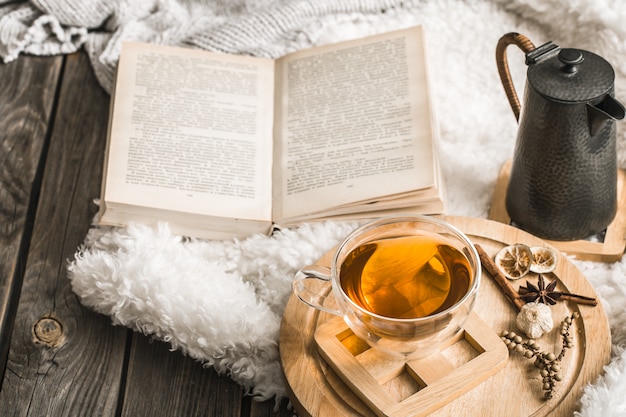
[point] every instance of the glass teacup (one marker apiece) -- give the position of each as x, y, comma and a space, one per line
405, 285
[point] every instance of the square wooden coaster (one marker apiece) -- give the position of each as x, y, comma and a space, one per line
610, 249
394, 387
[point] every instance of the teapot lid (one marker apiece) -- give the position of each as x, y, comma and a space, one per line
569, 75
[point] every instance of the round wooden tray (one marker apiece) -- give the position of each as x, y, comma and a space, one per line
316, 390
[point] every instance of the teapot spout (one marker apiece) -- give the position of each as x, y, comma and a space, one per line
607, 109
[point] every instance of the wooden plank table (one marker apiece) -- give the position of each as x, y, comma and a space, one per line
58, 358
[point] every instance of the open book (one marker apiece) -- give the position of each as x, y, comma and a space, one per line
222, 145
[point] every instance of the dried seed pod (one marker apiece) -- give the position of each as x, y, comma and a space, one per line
548, 363
543, 259
514, 261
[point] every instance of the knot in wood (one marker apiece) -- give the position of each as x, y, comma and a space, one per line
48, 331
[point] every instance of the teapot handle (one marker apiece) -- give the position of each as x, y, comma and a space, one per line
503, 66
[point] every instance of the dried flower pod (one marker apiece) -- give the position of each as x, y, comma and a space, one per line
535, 319
543, 259
514, 261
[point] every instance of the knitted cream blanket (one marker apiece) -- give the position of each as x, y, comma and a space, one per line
221, 302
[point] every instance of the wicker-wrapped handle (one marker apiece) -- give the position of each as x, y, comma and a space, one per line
503, 66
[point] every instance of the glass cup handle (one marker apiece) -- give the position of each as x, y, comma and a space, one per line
308, 296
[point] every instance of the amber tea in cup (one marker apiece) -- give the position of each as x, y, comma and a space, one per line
406, 277
405, 285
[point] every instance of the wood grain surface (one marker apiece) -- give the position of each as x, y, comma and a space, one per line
60, 358
316, 390
61, 371
27, 94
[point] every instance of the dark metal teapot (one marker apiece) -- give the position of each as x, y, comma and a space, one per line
563, 183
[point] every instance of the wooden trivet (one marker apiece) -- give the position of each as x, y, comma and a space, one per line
610, 249
428, 383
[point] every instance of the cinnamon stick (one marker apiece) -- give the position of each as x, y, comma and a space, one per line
578, 299
489, 265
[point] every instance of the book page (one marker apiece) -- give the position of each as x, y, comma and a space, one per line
355, 123
191, 132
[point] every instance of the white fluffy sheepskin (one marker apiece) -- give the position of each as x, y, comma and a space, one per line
221, 302
218, 302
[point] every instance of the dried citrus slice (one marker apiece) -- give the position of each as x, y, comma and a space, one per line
514, 261
544, 259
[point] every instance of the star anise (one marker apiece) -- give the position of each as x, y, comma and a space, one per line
540, 292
